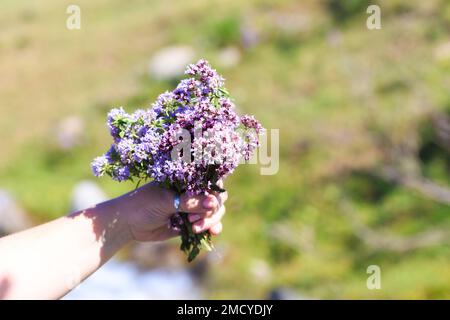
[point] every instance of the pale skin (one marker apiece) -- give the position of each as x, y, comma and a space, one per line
47, 261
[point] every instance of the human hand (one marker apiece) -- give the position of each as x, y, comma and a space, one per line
149, 208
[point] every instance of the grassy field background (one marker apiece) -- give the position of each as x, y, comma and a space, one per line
350, 104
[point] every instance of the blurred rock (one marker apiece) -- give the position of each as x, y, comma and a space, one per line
334, 38
12, 217
157, 254
249, 35
285, 294
292, 22
170, 62
167, 255
123, 280
229, 57
86, 194
442, 51
70, 132
260, 271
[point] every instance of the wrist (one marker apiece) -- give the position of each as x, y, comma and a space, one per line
114, 226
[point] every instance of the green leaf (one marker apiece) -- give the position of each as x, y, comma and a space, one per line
215, 187
205, 243
195, 251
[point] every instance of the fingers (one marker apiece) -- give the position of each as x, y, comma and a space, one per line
223, 196
201, 204
216, 229
207, 223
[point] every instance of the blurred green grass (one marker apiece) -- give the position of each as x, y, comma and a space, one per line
327, 83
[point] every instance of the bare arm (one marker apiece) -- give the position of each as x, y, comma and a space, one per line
47, 261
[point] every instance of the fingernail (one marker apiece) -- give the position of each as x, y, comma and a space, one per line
196, 228
194, 217
208, 203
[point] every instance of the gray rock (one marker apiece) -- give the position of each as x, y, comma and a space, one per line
124, 280
334, 38
69, 132
229, 57
442, 51
170, 62
292, 22
260, 270
86, 194
150, 255
12, 217
250, 36
286, 294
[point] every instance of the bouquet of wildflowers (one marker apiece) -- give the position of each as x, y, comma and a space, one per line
187, 141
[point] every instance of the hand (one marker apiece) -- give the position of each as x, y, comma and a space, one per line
150, 207
37, 261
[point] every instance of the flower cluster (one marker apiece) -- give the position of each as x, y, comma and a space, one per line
187, 140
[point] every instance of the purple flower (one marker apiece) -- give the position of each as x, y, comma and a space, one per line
122, 173
199, 108
115, 117
251, 123
125, 148
144, 140
99, 165
162, 103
